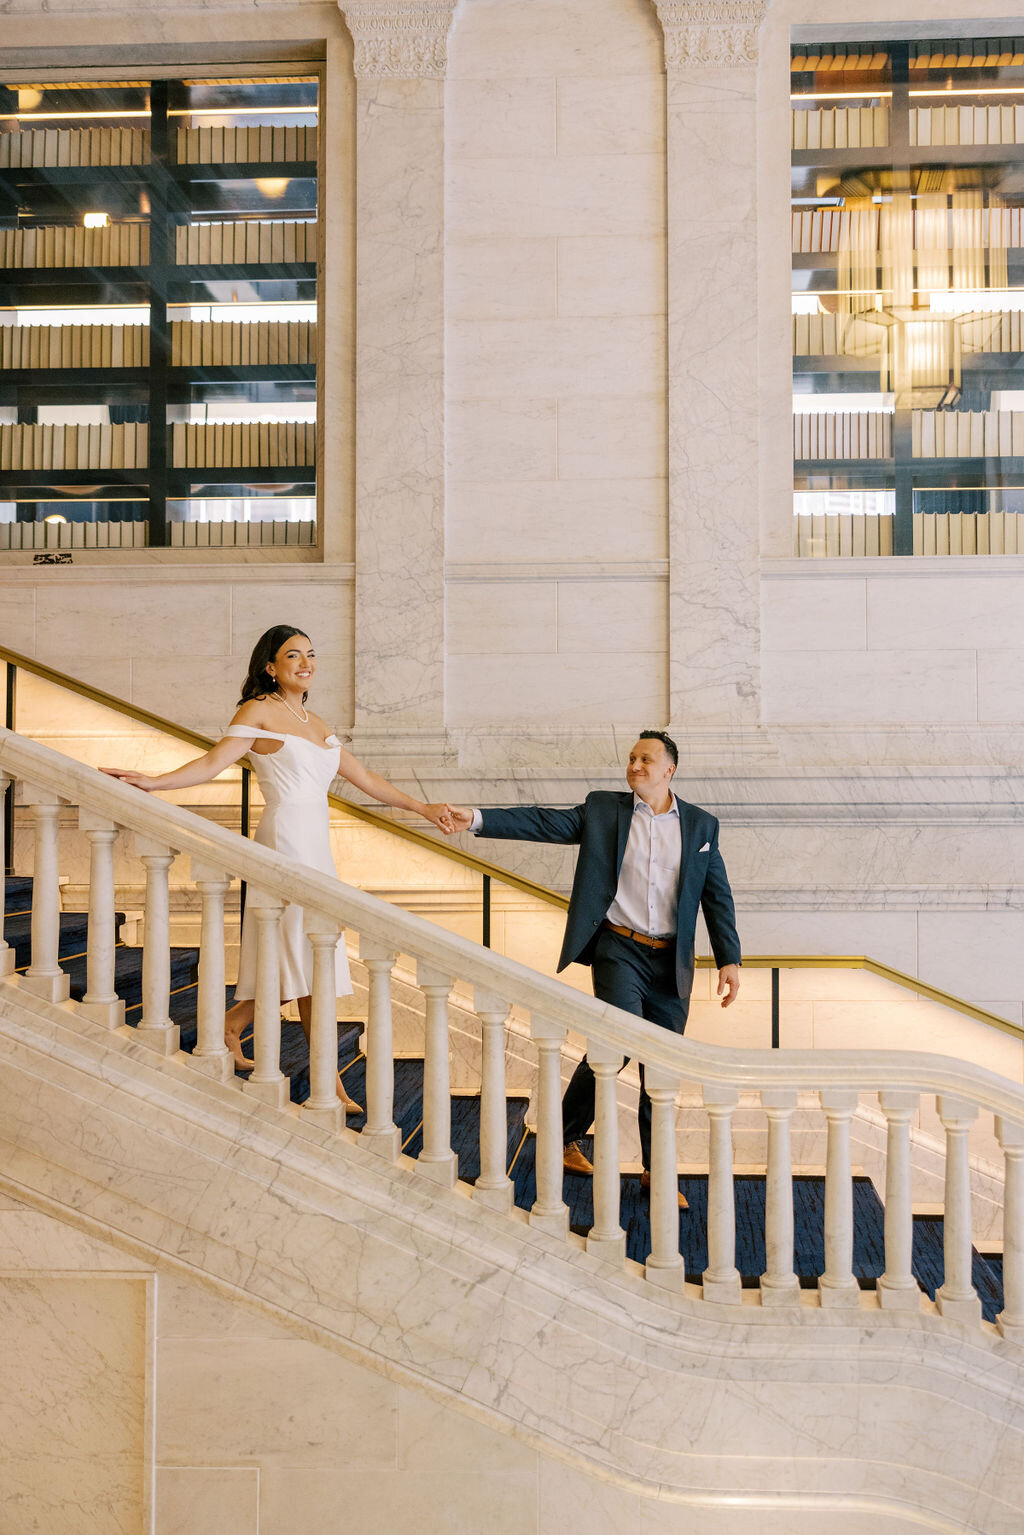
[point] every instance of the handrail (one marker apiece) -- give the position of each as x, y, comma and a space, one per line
504, 876
684, 1059
338, 802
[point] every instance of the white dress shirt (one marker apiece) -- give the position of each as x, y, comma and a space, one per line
647, 898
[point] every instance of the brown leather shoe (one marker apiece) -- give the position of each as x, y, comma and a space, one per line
574, 1161
645, 1184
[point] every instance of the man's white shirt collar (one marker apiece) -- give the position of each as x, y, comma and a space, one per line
672, 810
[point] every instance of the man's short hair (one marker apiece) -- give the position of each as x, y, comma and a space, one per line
666, 741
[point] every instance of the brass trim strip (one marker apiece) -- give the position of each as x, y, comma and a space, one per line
347, 807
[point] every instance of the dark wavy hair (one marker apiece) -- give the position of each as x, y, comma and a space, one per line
258, 680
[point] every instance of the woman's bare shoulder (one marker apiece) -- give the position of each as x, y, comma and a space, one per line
252, 712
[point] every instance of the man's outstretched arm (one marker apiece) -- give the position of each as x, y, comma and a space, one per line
522, 823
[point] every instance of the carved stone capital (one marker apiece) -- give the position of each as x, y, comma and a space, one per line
710, 32
399, 39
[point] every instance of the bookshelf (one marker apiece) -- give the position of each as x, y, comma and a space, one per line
908, 297
158, 304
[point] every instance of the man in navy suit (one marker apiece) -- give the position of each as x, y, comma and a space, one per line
647, 863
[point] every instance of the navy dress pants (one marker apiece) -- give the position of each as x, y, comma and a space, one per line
640, 981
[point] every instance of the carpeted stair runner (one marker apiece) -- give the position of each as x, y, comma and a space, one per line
808, 1191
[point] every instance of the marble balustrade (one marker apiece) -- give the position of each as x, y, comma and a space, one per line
774, 1083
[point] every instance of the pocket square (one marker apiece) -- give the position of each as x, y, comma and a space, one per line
705, 849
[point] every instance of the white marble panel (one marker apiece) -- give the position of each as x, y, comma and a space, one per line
202, 695
558, 520
502, 439
191, 1311
960, 949
321, 1501
82, 622
556, 37
844, 687
501, 279
911, 1025
942, 611
621, 116
563, 689
489, 617
586, 357
1001, 686
584, 195
73, 1408
158, 616
598, 616
18, 619
617, 439
486, 118
620, 275
433, 1437
887, 936
335, 1410
814, 615
323, 608
194, 1498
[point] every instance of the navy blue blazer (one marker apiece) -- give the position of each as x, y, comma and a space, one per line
601, 826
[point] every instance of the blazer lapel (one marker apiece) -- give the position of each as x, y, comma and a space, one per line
625, 817
685, 840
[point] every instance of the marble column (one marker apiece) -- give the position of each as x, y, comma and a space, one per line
400, 57
714, 542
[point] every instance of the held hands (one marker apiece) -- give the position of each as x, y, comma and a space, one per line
137, 780
440, 816
728, 983
462, 818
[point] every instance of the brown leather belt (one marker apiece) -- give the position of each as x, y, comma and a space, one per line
648, 942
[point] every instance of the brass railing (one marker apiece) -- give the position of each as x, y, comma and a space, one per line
488, 871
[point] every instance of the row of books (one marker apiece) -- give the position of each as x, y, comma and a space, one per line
74, 346
974, 229
236, 535
967, 433
969, 53
967, 125
131, 146
247, 344
842, 434
72, 245
243, 444
829, 335
840, 127
74, 146
237, 146
830, 537
24, 446
74, 535
245, 242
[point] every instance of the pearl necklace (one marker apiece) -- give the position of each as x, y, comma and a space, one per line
303, 718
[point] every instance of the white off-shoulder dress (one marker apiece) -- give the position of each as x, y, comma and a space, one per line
294, 781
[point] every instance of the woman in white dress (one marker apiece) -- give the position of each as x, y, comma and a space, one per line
296, 759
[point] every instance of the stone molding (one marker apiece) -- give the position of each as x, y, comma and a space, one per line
706, 33
397, 41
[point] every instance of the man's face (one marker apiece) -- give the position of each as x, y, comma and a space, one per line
650, 768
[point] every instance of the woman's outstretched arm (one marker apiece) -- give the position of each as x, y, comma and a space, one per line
199, 770
378, 788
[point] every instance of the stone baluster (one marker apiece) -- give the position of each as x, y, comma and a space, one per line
155, 1027
607, 1238
101, 1002
380, 1133
267, 1081
437, 1159
779, 1284
897, 1288
837, 1286
211, 1055
956, 1297
1010, 1320
493, 1186
664, 1266
721, 1277
322, 1105
550, 1212
7, 965
44, 976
